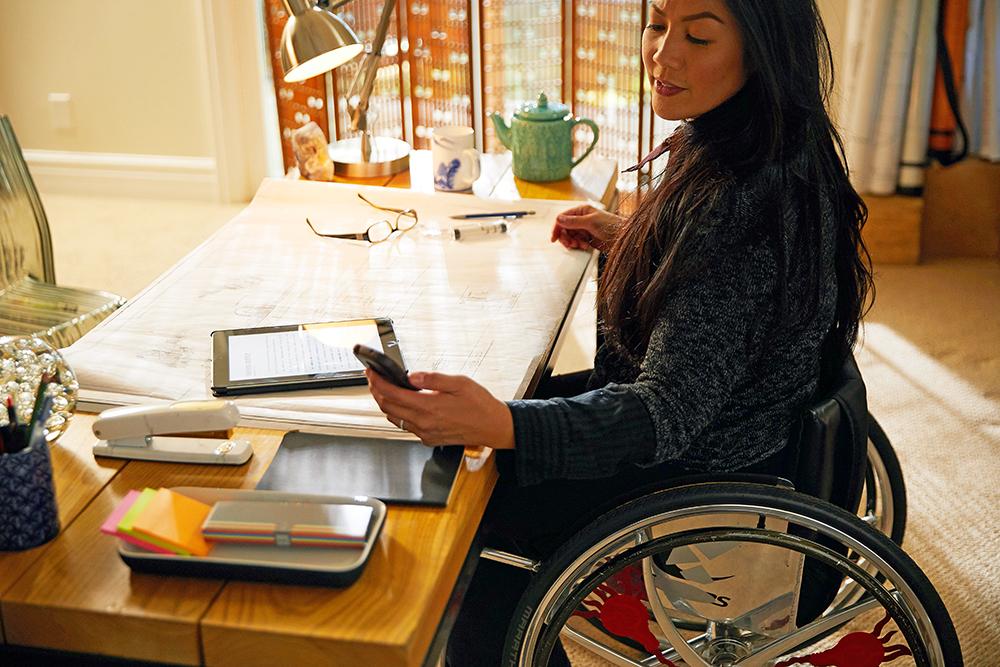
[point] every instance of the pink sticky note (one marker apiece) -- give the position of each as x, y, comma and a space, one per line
110, 525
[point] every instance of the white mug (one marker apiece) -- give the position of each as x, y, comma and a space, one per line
455, 158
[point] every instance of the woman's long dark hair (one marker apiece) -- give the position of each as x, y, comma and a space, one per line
780, 121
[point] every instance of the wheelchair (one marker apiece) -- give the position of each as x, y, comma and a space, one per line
749, 569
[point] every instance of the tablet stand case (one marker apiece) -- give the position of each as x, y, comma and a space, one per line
395, 471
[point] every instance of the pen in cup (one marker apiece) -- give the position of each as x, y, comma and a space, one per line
38, 425
40, 395
11, 427
18, 434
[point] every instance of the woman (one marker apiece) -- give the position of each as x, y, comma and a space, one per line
723, 298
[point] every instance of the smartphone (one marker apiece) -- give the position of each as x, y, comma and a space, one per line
383, 365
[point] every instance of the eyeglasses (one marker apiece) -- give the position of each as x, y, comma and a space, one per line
406, 219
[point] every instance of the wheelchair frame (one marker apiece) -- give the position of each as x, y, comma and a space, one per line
864, 549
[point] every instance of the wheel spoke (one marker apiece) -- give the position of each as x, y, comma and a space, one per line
614, 656
789, 642
680, 645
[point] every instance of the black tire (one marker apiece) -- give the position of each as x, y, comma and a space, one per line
894, 479
703, 495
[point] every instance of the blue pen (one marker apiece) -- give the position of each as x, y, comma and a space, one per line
498, 214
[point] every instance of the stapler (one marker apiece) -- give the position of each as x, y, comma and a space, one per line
180, 432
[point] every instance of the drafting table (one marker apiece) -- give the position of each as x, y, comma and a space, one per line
75, 595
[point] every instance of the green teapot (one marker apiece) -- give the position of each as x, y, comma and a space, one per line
541, 139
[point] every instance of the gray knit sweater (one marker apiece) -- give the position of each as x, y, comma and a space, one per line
721, 384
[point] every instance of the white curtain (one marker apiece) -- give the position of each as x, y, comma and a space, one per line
881, 45
980, 98
889, 61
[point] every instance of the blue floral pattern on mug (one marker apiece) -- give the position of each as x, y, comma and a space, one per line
30, 517
445, 178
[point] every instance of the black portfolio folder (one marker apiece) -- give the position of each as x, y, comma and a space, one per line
394, 471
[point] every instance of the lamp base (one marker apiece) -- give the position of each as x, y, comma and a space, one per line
389, 156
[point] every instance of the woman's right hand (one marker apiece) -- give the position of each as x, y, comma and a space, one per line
586, 227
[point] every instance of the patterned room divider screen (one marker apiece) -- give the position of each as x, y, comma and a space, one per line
583, 51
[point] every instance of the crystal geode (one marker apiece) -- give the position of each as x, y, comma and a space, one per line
23, 362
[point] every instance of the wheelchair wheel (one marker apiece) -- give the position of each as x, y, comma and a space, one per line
884, 502
713, 574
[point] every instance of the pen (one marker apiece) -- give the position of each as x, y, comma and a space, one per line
11, 444
39, 395
11, 414
7, 429
498, 214
43, 416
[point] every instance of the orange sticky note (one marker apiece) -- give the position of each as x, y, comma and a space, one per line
174, 519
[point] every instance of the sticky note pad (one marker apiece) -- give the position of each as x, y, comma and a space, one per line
110, 525
173, 519
127, 521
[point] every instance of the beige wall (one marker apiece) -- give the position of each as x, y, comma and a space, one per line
135, 70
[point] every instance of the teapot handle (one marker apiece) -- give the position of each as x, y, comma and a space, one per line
593, 126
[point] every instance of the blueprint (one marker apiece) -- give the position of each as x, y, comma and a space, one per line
488, 308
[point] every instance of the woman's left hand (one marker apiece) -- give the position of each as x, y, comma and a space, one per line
585, 227
450, 410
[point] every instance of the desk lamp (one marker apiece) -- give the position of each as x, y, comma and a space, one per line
316, 40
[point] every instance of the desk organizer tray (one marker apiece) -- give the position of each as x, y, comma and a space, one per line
309, 566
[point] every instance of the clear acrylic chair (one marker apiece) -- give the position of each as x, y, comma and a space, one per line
31, 303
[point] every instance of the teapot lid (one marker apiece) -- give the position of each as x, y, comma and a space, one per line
543, 110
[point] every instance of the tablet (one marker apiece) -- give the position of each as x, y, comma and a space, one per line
296, 356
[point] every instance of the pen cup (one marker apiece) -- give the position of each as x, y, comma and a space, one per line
28, 513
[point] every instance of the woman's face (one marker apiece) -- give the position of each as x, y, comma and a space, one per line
693, 54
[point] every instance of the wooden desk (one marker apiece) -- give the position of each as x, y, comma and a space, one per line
75, 594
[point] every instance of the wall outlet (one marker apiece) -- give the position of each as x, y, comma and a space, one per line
60, 111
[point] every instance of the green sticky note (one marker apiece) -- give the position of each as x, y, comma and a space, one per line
125, 525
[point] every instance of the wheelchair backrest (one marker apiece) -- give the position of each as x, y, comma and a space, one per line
832, 447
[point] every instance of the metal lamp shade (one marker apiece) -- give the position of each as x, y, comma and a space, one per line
316, 41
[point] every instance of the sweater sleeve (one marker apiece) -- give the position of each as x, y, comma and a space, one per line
704, 339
